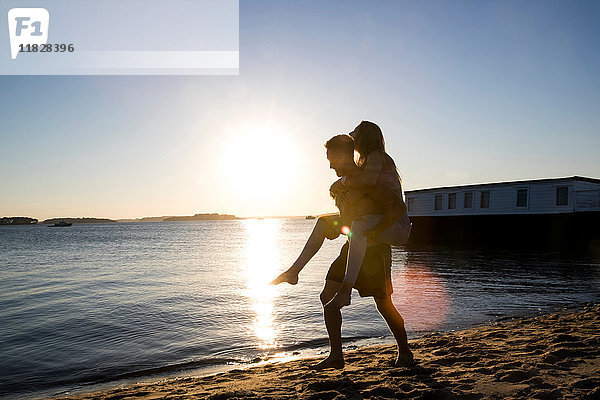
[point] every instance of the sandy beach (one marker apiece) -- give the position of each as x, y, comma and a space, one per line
553, 356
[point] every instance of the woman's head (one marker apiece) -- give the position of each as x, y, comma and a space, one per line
367, 138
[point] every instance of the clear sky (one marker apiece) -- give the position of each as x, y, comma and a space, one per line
465, 92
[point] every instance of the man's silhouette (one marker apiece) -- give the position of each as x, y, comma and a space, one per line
374, 278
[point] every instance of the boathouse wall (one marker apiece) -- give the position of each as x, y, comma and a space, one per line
547, 196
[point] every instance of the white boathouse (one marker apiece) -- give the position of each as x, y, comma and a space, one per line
540, 196
548, 209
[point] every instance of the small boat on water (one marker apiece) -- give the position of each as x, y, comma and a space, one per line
60, 224
310, 217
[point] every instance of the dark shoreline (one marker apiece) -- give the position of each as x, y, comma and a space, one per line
512, 358
297, 352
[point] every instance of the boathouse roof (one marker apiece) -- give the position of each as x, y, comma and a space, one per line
520, 182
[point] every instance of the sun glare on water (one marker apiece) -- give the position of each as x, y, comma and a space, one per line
261, 266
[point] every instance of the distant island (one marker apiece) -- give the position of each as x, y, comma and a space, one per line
144, 219
196, 217
17, 221
169, 218
202, 217
78, 220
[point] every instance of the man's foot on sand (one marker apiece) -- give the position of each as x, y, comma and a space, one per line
290, 276
328, 363
405, 359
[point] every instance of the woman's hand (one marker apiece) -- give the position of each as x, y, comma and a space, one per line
342, 199
337, 187
342, 298
339, 192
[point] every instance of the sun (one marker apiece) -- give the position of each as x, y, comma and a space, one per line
260, 165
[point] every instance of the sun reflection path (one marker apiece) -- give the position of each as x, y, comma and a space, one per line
261, 266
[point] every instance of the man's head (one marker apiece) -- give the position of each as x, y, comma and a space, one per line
340, 153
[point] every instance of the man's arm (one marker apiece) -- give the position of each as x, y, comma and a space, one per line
345, 207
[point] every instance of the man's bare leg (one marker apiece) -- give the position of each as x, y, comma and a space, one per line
396, 324
333, 322
322, 230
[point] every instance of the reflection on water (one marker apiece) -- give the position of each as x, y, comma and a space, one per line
261, 265
96, 301
421, 297
440, 288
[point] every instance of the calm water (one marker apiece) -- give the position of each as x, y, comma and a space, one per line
97, 303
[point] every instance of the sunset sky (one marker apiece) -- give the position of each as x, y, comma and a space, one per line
465, 92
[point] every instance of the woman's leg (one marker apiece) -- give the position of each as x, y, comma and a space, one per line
397, 234
356, 255
394, 226
324, 228
358, 246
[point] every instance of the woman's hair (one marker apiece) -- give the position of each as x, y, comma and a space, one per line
369, 138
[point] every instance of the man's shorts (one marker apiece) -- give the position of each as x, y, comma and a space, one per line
374, 277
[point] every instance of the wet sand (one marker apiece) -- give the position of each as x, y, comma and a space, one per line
554, 356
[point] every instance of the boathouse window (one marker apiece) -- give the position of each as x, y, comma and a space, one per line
562, 196
485, 199
410, 203
438, 202
468, 200
451, 201
521, 197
